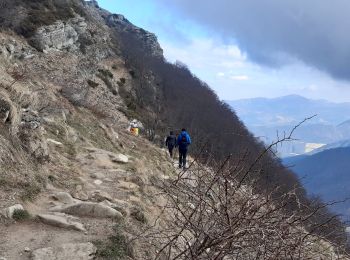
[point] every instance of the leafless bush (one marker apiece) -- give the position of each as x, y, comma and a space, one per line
212, 216
18, 74
213, 213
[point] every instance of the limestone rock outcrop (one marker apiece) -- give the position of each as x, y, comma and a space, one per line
62, 221
89, 209
60, 35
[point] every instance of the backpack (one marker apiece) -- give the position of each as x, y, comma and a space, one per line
172, 140
183, 139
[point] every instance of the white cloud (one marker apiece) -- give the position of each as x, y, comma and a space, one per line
227, 64
226, 69
240, 77
313, 87
205, 52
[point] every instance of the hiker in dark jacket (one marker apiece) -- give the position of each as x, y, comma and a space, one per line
171, 143
183, 141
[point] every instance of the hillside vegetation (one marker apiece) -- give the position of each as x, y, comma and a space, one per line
75, 182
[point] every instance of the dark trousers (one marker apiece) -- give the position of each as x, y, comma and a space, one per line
182, 157
171, 148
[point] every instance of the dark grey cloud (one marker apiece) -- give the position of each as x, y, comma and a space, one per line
316, 32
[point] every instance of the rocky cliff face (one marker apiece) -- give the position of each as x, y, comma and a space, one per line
149, 40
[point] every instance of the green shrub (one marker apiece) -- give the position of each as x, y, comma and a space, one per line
137, 214
105, 73
3, 181
52, 178
106, 76
121, 82
132, 73
21, 215
92, 83
116, 248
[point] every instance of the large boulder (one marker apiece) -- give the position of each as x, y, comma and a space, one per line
62, 221
120, 158
63, 197
81, 251
89, 209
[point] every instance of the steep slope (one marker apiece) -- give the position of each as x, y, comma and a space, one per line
325, 174
72, 76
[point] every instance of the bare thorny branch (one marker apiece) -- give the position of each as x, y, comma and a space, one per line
210, 214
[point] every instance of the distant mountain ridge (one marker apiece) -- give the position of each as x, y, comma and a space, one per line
327, 174
270, 118
340, 144
289, 109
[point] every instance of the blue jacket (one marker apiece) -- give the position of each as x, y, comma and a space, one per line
183, 145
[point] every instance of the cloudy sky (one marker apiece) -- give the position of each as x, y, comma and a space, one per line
253, 48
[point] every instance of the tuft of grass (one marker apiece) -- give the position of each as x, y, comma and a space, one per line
132, 73
52, 178
122, 80
106, 76
70, 149
30, 191
92, 83
21, 215
105, 73
116, 248
137, 214
88, 127
3, 181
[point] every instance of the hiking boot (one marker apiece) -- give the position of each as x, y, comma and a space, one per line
180, 166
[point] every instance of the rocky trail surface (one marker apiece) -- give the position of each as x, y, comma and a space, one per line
64, 222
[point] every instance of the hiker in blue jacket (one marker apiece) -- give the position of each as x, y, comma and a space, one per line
183, 141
